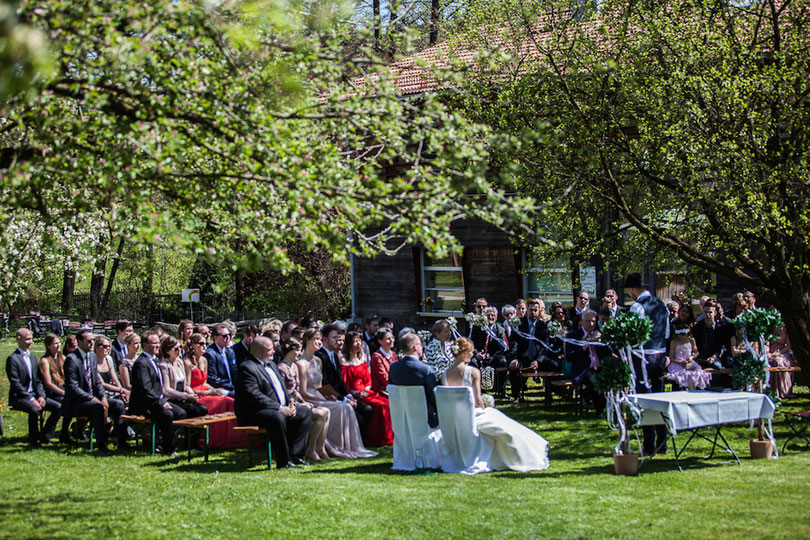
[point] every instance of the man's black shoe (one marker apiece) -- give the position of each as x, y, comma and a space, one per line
289, 465
298, 460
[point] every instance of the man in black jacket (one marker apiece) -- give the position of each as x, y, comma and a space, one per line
329, 354
26, 392
262, 400
147, 393
242, 349
85, 395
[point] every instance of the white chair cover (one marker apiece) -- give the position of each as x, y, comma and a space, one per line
414, 439
465, 450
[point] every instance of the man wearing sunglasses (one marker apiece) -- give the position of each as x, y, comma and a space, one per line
221, 360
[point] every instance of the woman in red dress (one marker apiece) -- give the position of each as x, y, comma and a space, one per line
358, 379
381, 360
222, 434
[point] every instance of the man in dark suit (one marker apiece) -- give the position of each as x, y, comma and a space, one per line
370, 326
26, 392
530, 353
333, 336
648, 306
585, 359
221, 360
123, 328
147, 393
495, 347
409, 370
581, 305
613, 302
85, 395
241, 350
262, 400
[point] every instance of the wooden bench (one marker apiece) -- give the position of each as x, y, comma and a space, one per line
257, 432
791, 369
202, 422
547, 377
145, 421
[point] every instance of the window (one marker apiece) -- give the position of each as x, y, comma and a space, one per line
443, 282
554, 284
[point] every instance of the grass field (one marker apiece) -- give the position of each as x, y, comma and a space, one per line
58, 492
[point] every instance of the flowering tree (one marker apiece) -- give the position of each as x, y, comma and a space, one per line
229, 129
681, 122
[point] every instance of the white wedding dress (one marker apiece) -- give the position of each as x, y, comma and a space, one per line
343, 437
514, 446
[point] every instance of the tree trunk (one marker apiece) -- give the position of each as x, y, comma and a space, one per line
240, 294
111, 279
96, 286
146, 299
576, 284
435, 14
68, 288
377, 22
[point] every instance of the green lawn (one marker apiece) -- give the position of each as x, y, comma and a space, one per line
56, 492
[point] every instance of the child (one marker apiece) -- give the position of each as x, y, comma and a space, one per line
683, 369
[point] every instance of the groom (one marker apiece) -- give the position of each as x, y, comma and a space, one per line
411, 371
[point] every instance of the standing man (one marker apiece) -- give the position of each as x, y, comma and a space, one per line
648, 306
221, 360
580, 307
147, 393
411, 371
26, 392
123, 328
613, 302
85, 396
241, 350
262, 400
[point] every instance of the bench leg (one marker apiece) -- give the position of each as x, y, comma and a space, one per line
269, 453
92, 433
154, 442
250, 451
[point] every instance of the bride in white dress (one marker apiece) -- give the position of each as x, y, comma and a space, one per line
343, 437
514, 445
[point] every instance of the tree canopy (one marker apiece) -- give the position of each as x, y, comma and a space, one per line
228, 129
682, 122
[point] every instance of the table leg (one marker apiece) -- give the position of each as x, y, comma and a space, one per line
206, 443
188, 441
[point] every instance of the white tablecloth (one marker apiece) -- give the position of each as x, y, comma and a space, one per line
689, 410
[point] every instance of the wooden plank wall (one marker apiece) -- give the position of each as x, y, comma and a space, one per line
490, 271
388, 287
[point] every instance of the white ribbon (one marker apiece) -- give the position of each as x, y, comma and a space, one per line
616, 401
492, 335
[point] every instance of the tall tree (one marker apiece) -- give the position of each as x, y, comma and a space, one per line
689, 118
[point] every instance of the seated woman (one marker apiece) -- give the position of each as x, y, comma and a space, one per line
438, 353
51, 368
176, 387
381, 360
316, 447
133, 343
683, 368
516, 446
357, 377
222, 434
343, 439
106, 370
184, 331
780, 355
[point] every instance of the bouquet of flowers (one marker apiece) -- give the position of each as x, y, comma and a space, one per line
425, 335
475, 320
514, 321
555, 328
452, 322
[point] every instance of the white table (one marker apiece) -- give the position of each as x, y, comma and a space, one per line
690, 411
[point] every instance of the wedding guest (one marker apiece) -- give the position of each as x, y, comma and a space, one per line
683, 368
603, 316
582, 304
85, 395
262, 400
275, 337
204, 331
221, 434
751, 298
106, 369
371, 324
530, 349
672, 308
495, 349
781, 355
476, 333
545, 317
71, 344
343, 439
123, 328
559, 324
520, 308
437, 353
52, 368
355, 373
329, 354
316, 447
221, 360
613, 300
26, 392
133, 344
515, 446
585, 359
242, 349
410, 371
381, 360
739, 303
176, 386
147, 393
712, 336
184, 331
286, 330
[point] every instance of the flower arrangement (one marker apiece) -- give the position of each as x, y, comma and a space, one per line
454, 347
425, 335
452, 322
514, 321
555, 328
475, 319
626, 330
427, 302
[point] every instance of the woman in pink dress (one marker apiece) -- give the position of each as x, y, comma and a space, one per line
381, 360
222, 434
357, 377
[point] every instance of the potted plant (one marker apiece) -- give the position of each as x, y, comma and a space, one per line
616, 377
427, 302
750, 372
